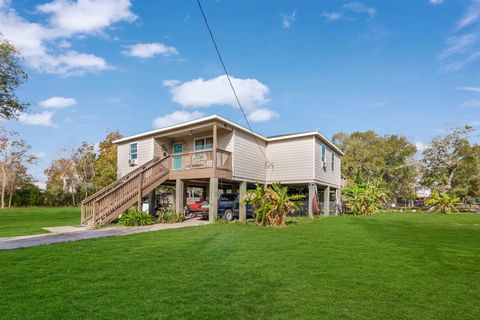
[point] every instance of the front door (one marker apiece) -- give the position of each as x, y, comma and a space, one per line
177, 157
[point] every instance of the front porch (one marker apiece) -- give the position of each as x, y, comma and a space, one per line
198, 152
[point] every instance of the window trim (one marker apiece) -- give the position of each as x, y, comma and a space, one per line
130, 151
205, 140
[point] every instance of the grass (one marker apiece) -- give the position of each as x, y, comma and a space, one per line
27, 221
389, 266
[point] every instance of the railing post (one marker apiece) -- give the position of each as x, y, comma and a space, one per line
139, 195
214, 152
94, 222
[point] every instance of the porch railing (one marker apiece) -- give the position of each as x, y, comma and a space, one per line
201, 160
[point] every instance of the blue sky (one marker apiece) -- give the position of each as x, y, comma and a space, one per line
396, 66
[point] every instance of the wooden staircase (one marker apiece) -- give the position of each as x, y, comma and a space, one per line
108, 203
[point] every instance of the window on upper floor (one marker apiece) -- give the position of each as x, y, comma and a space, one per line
203, 143
333, 161
133, 151
324, 153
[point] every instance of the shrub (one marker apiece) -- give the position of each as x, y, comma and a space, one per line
133, 217
442, 202
271, 204
170, 217
365, 198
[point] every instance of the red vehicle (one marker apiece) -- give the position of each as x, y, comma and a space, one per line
199, 207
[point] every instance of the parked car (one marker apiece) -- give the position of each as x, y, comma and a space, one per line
228, 207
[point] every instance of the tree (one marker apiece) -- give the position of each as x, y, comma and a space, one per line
390, 159
83, 161
442, 202
106, 163
62, 181
14, 158
271, 204
365, 198
451, 164
11, 77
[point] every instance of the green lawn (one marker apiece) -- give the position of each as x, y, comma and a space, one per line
389, 266
25, 221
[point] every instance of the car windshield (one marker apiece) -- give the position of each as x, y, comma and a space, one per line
230, 197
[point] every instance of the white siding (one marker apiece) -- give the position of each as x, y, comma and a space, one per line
326, 175
249, 161
291, 160
145, 153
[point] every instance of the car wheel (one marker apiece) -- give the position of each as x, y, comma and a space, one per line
228, 215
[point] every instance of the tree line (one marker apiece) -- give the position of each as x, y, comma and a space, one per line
449, 163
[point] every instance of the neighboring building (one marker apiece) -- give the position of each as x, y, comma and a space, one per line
214, 153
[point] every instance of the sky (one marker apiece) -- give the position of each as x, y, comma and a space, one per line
395, 67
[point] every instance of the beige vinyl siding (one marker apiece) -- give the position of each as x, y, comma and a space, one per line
326, 176
223, 139
249, 161
145, 149
291, 159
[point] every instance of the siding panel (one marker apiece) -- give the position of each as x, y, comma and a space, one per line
326, 176
145, 153
292, 160
249, 161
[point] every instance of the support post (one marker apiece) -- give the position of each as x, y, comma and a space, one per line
326, 201
179, 193
338, 200
213, 200
242, 214
311, 193
151, 203
214, 152
139, 194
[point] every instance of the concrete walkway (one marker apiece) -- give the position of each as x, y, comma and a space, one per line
67, 234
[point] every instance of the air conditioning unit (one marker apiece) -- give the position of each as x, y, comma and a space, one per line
324, 164
132, 162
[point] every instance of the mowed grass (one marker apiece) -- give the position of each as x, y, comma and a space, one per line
28, 221
389, 266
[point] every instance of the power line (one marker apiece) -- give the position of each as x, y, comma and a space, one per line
228, 78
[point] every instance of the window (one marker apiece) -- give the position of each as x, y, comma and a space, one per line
203, 144
133, 151
324, 153
333, 161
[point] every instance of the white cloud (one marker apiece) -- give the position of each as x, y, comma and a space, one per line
200, 93
149, 50
288, 20
43, 45
360, 7
57, 102
472, 104
472, 89
39, 119
333, 16
170, 83
40, 154
85, 16
471, 16
176, 117
435, 2
458, 44
262, 115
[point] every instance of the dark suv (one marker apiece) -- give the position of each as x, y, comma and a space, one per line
228, 205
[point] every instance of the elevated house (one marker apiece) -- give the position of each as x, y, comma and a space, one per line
220, 156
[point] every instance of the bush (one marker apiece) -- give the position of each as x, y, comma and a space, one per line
365, 198
170, 217
133, 218
442, 202
271, 204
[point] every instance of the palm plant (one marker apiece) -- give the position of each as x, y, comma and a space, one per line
271, 204
442, 202
365, 198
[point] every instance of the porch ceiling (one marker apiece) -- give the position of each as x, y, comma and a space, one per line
194, 130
